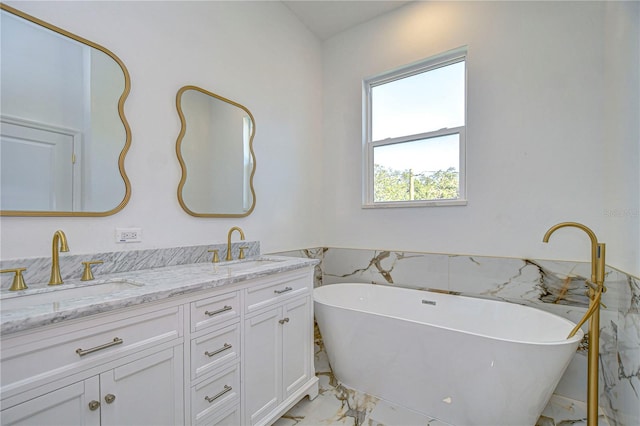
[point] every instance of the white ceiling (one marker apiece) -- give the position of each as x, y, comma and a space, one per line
326, 18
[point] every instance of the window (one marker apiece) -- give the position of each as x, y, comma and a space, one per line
414, 126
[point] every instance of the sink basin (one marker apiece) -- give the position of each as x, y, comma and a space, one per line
56, 295
248, 264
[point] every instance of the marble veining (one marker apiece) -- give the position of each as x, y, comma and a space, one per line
554, 286
338, 405
39, 269
153, 284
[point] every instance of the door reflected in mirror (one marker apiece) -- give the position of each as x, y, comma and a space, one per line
63, 133
215, 151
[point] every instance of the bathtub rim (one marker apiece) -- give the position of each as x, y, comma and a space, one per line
576, 338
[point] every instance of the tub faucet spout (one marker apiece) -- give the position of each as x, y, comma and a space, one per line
597, 249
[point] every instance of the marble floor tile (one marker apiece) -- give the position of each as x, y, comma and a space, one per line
338, 405
388, 414
561, 411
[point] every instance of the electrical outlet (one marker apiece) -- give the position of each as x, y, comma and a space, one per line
128, 235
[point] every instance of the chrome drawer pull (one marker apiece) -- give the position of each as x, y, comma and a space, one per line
216, 352
286, 289
116, 341
94, 405
226, 389
219, 311
282, 321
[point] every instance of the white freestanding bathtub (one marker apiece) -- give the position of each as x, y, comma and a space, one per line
462, 360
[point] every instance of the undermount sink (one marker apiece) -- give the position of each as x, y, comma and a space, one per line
34, 297
248, 264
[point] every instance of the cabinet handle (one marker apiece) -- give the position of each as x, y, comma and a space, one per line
109, 398
282, 321
83, 352
219, 311
226, 389
94, 405
217, 351
286, 289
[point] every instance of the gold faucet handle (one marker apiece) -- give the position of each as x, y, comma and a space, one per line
595, 286
18, 279
242, 249
216, 256
595, 292
87, 275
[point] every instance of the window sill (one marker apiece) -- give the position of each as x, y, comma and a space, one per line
402, 204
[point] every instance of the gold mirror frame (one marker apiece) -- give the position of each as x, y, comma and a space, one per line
183, 166
125, 123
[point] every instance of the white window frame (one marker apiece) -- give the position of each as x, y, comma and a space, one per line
434, 62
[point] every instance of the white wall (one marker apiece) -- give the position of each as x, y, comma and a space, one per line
622, 160
538, 148
552, 129
255, 53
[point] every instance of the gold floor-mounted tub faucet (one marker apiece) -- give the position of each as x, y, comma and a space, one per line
59, 238
235, 228
596, 288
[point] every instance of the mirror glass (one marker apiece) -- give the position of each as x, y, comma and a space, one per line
215, 150
63, 133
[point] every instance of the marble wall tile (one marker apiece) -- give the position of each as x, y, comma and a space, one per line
415, 270
315, 253
623, 380
502, 278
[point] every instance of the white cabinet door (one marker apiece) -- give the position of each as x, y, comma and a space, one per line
65, 406
148, 391
296, 335
277, 356
262, 364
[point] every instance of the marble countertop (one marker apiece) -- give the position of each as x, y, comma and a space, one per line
53, 304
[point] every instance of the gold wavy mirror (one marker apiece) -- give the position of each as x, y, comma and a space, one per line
215, 151
64, 135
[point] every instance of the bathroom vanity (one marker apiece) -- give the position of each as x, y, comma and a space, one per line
215, 344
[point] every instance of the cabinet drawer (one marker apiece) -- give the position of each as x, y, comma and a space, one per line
214, 310
267, 294
228, 417
215, 349
34, 358
217, 393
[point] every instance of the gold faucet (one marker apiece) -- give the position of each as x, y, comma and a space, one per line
18, 280
58, 239
596, 288
87, 274
216, 257
235, 228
